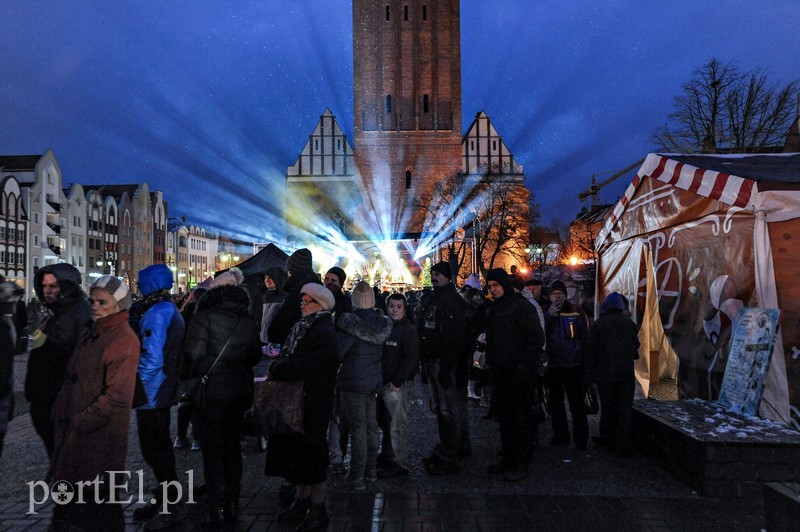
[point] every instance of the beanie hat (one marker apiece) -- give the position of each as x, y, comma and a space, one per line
232, 277
363, 296
320, 294
558, 285
499, 276
443, 268
473, 281
115, 288
613, 301
299, 262
338, 272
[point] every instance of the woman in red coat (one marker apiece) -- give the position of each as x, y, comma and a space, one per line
93, 410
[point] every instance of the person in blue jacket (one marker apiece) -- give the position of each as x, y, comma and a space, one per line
160, 331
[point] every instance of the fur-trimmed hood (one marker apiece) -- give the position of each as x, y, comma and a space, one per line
368, 325
69, 282
232, 297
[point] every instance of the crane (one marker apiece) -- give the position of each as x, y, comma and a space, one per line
595, 187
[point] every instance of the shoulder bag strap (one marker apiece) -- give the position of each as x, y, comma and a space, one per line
205, 377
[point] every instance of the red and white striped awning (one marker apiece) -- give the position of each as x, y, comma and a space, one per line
727, 188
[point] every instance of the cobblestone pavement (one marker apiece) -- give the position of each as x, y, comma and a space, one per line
568, 489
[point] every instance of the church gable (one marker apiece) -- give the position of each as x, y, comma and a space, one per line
326, 156
484, 152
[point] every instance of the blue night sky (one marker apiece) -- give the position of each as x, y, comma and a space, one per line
211, 101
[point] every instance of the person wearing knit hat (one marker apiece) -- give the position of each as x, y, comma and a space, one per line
299, 263
116, 288
93, 408
443, 268
319, 294
334, 281
567, 333
231, 277
441, 324
362, 334
363, 296
514, 343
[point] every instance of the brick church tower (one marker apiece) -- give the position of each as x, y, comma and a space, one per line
407, 107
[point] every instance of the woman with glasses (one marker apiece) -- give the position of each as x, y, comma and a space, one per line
309, 354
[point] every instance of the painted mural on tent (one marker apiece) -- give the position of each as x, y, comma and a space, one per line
704, 273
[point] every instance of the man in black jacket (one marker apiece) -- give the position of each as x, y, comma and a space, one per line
514, 344
58, 286
441, 328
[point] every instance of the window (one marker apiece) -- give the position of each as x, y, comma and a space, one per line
50, 178
2, 232
405, 12
388, 103
408, 179
20, 256
12, 233
425, 103
36, 241
2, 256
36, 262
424, 12
36, 218
388, 12
472, 145
338, 144
20, 235
316, 144
494, 145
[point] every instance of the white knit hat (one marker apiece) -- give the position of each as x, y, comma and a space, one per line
115, 288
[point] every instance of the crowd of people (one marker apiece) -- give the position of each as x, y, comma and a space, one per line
524, 355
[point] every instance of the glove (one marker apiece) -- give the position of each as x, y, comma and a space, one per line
445, 379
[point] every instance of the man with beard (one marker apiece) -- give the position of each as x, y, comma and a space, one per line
58, 286
442, 328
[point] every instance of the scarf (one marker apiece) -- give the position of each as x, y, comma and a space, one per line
299, 330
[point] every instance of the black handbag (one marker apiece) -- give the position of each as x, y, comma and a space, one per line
591, 400
279, 406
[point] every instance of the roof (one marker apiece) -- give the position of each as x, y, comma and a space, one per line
730, 178
771, 168
116, 191
10, 163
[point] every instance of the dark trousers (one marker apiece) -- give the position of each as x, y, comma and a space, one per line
156, 443
218, 427
568, 381
616, 404
512, 392
448, 414
185, 411
43, 423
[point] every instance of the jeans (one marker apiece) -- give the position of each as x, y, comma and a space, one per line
448, 413
359, 418
570, 381
156, 443
395, 423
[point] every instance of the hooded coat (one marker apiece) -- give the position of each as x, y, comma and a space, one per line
160, 332
362, 334
223, 313
57, 335
272, 301
613, 344
93, 410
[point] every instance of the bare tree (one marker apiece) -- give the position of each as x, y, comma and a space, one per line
487, 216
723, 110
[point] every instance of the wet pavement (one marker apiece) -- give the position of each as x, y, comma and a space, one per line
567, 489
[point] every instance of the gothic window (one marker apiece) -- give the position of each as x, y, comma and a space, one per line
405, 12
388, 12
425, 103
408, 179
388, 103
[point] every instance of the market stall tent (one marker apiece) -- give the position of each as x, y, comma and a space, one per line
694, 239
